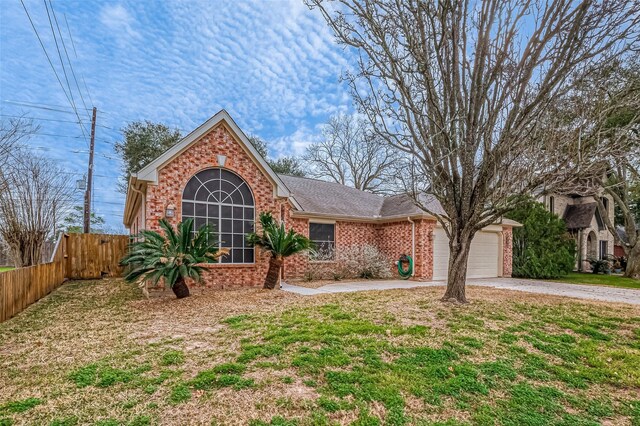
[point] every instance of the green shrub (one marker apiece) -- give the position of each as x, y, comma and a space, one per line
542, 248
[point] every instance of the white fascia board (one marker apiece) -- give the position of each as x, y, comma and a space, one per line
150, 172
129, 202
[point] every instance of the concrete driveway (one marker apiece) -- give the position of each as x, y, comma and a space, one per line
591, 292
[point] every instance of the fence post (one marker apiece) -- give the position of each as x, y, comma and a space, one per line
72, 256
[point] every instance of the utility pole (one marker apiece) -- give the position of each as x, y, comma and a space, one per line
87, 194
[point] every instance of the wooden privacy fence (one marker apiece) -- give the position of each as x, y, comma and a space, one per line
76, 256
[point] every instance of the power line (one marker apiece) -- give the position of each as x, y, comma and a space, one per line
50, 62
73, 44
73, 151
43, 48
64, 46
69, 31
82, 174
64, 70
43, 107
73, 137
52, 119
38, 105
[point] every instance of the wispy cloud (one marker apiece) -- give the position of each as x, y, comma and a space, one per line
119, 22
272, 64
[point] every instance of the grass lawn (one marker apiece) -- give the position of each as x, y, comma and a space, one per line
96, 352
5, 268
612, 280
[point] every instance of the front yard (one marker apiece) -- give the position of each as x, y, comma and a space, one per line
96, 352
599, 279
5, 268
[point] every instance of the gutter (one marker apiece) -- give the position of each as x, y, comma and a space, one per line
371, 219
413, 244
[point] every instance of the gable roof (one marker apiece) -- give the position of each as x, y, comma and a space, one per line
330, 198
335, 200
403, 205
149, 173
579, 216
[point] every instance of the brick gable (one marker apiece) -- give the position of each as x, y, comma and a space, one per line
173, 177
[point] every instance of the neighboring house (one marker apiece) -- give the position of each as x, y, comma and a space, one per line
216, 176
618, 250
585, 224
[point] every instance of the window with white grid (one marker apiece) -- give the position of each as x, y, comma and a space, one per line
223, 199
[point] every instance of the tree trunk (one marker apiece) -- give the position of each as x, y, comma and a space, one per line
459, 247
633, 263
273, 275
180, 288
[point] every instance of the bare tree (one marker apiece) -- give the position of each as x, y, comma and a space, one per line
36, 196
12, 132
607, 106
461, 86
351, 154
622, 179
287, 165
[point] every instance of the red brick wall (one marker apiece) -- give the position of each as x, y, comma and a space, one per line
350, 234
173, 177
507, 250
395, 240
295, 266
392, 239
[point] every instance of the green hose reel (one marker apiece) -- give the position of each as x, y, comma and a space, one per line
405, 274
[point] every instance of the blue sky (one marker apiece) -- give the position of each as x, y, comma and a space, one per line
272, 64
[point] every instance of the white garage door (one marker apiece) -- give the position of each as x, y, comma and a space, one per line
484, 258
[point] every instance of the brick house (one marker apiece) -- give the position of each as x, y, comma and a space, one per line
216, 176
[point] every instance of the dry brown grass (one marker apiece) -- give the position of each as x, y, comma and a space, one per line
108, 321
319, 283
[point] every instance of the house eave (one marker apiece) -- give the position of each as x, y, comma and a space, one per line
135, 189
383, 219
150, 173
349, 218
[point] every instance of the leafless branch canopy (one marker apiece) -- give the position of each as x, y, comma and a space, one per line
12, 132
34, 195
350, 154
462, 86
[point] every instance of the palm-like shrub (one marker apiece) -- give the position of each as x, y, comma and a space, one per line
173, 256
280, 243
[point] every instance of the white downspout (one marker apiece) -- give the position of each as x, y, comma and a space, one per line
413, 244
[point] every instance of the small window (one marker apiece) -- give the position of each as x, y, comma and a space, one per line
324, 237
604, 247
605, 203
552, 204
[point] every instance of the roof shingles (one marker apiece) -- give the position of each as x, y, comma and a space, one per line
579, 216
334, 199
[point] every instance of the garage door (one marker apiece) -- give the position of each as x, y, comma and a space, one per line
484, 258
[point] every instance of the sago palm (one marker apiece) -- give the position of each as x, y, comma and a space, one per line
280, 243
174, 256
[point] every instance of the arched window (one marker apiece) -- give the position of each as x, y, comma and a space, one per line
223, 199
